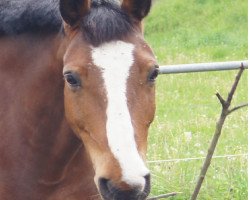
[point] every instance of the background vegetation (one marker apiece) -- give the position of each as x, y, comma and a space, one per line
188, 31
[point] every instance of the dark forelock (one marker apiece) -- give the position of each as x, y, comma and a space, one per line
106, 21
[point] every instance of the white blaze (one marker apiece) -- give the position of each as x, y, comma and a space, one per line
115, 60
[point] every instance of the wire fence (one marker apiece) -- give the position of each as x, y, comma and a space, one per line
195, 158
201, 67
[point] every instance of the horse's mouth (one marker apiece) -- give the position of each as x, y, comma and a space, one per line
108, 191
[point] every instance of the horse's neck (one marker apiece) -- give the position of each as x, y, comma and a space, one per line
38, 147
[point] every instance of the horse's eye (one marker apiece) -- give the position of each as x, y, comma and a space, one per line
153, 74
72, 79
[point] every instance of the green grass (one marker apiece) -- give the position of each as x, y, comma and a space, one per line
183, 31
187, 31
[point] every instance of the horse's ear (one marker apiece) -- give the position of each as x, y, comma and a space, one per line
137, 8
73, 10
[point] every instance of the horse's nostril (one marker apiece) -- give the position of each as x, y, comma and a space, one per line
106, 184
109, 190
106, 188
147, 184
147, 177
103, 184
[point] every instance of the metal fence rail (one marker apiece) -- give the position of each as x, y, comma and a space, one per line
203, 67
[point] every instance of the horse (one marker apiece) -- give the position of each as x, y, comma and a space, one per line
77, 98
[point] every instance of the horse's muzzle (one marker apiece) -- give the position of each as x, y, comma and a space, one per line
110, 192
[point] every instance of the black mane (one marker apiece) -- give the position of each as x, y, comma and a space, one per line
105, 22
19, 16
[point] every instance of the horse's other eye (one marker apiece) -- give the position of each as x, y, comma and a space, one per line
153, 74
72, 79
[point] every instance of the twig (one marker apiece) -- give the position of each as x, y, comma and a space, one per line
163, 196
224, 113
222, 101
237, 107
237, 79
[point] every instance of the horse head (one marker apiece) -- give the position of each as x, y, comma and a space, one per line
109, 93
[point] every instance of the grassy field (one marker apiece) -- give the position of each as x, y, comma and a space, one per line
188, 31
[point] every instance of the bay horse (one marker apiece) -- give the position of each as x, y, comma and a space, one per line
77, 97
